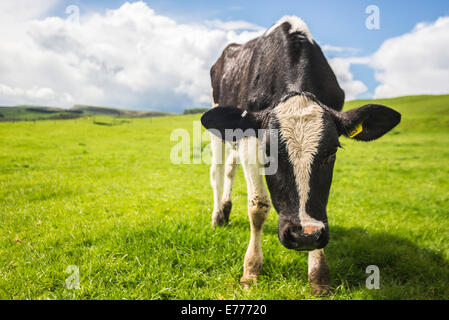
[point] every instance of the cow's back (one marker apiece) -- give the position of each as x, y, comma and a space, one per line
256, 75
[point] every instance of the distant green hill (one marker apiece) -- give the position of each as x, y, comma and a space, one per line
195, 110
30, 113
423, 112
415, 104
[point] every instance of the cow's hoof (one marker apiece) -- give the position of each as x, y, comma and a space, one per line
320, 290
221, 217
248, 282
226, 208
218, 219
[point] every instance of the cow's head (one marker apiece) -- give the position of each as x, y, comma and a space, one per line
308, 134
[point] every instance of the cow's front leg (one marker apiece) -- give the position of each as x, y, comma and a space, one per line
258, 208
319, 278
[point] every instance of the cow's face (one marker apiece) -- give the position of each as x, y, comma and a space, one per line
308, 143
308, 139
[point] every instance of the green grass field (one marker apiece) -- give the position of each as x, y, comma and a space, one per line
108, 200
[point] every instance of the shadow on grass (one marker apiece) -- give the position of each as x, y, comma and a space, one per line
407, 270
403, 265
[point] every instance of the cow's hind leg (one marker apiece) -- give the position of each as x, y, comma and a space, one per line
258, 207
319, 278
231, 167
217, 179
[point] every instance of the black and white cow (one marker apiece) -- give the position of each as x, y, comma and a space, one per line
281, 81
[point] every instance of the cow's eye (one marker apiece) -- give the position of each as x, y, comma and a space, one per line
329, 157
332, 155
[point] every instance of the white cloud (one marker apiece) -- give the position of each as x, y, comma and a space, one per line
330, 50
341, 59
22, 10
414, 63
234, 25
130, 57
341, 67
43, 95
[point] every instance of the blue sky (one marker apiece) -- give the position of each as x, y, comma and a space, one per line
333, 23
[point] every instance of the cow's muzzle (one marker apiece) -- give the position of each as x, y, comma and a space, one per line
303, 238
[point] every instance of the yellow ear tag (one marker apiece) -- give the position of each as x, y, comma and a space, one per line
356, 131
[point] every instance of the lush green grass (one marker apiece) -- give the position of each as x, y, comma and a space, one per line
107, 199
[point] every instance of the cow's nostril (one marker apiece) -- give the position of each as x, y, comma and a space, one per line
295, 231
309, 229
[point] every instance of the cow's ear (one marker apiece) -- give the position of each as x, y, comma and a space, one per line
225, 122
369, 122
